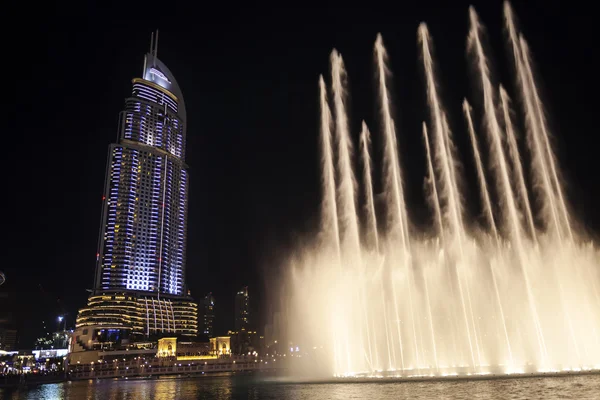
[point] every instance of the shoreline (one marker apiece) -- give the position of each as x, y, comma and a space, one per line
283, 380
449, 378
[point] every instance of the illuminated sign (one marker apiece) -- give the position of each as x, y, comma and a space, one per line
50, 353
159, 75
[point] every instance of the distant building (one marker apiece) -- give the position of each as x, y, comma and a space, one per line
8, 339
208, 315
8, 332
220, 345
140, 287
246, 341
274, 330
242, 309
57, 340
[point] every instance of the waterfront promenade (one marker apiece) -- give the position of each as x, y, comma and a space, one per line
155, 367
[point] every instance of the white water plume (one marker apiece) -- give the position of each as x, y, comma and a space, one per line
516, 161
545, 176
365, 145
519, 294
483, 189
346, 192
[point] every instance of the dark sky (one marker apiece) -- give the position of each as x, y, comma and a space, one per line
249, 77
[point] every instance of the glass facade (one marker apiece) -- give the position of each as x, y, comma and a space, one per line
143, 242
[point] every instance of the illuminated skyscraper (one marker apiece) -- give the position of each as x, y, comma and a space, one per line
208, 316
242, 309
139, 286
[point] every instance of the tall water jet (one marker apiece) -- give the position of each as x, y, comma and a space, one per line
513, 151
541, 119
329, 216
487, 207
329, 213
394, 190
454, 298
449, 187
501, 169
483, 189
434, 198
347, 193
393, 176
365, 144
493, 127
540, 167
523, 195
444, 160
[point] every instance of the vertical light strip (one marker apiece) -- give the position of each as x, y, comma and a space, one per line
173, 315
154, 312
162, 320
167, 312
162, 223
147, 318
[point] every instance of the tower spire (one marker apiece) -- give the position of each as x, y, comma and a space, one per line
156, 45
146, 56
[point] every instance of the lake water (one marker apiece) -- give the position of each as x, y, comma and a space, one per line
260, 387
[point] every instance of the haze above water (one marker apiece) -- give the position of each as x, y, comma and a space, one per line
518, 294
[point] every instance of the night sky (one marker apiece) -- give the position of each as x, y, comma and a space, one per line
249, 78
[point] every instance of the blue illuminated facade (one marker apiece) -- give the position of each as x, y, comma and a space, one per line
142, 246
140, 265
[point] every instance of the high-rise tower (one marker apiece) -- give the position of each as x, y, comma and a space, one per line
242, 309
208, 316
139, 286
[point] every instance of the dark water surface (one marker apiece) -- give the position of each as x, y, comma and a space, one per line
260, 387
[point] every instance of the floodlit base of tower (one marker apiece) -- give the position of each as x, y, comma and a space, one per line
137, 315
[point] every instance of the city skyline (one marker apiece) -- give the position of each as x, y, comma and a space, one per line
253, 136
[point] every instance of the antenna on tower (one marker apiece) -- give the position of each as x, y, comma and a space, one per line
146, 56
153, 51
156, 45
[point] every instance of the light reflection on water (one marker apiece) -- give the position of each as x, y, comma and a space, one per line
256, 387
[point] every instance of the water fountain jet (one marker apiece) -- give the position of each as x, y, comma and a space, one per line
517, 294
